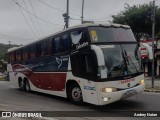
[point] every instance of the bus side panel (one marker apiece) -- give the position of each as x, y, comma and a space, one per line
49, 81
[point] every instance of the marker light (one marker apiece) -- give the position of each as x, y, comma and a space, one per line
141, 82
108, 90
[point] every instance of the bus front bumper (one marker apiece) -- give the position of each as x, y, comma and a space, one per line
106, 98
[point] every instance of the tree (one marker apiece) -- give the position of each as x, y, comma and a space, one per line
138, 17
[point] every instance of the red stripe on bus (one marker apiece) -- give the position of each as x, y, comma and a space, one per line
49, 81
143, 49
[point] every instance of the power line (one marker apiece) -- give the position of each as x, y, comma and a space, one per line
37, 16
57, 8
51, 6
15, 37
30, 17
24, 17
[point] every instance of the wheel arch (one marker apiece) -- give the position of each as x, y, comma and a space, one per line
69, 83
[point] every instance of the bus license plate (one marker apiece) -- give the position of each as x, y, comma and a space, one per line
129, 94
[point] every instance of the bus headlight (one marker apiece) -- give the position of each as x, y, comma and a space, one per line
141, 82
108, 90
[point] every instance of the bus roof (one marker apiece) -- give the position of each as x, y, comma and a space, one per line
70, 28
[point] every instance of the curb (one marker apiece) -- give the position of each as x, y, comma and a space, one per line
151, 90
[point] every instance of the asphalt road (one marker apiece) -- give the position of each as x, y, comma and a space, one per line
12, 99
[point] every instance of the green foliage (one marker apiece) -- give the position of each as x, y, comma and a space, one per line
3, 50
138, 17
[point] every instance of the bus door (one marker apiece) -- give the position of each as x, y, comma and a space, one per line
84, 65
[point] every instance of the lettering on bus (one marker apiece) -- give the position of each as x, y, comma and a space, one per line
127, 80
82, 45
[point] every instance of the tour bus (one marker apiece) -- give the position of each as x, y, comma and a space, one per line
92, 63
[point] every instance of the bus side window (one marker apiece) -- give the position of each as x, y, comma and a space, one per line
78, 38
57, 45
12, 57
84, 65
18, 55
66, 42
43, 48
33, 51
25, 53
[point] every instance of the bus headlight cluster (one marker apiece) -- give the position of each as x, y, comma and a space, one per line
141, 82
108, 90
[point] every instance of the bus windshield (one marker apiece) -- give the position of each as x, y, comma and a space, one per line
121, 59
110, 34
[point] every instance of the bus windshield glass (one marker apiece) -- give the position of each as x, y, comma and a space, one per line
111, 34
121, 59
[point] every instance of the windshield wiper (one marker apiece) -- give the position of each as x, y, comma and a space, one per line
125, 62
126, 56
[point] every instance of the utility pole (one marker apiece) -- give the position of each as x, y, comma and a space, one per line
66, 15
82, 11
153, 38
67, 20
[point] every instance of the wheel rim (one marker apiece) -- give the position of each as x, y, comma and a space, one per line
76, 94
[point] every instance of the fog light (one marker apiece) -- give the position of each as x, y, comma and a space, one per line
105, 99
142, 82
108, 90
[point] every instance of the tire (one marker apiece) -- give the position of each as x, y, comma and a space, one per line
21, 85
75, 94
27, 86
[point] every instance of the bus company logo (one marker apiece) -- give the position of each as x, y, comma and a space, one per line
127, 81
59, 62
82, 45
76, 38
6, 114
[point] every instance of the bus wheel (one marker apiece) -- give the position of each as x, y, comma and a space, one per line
27, 86
75, 94
21, 85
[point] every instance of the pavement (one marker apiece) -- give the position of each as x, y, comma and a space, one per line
148, 85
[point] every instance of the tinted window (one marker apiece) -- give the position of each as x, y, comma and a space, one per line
33, 51
44, 48
84, 65
12, 56
18, 55
57, 45
25, 54
106, 34
66, 42
78, 40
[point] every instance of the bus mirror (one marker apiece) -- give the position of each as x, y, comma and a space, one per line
102, 72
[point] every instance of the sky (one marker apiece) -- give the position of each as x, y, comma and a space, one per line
21, 27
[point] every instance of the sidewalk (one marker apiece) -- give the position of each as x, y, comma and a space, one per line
148, 85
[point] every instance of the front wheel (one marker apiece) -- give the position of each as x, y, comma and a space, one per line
75, 94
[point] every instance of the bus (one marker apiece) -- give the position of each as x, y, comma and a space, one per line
92, 63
